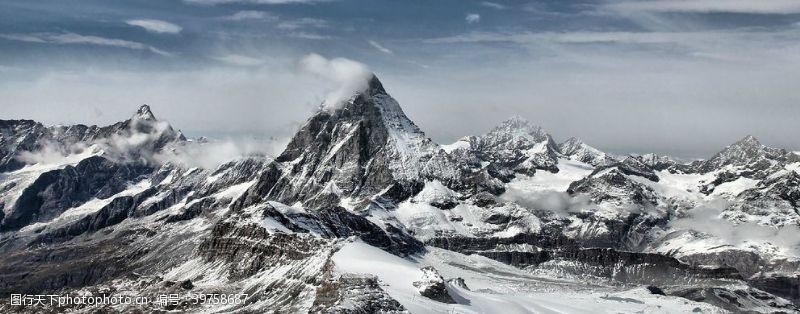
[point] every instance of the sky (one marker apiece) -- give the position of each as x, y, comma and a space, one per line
677, 77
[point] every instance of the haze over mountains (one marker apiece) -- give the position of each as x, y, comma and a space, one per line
363, 213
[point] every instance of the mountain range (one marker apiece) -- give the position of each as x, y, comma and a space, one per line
363, 213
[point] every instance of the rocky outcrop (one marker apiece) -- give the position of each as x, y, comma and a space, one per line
433, 286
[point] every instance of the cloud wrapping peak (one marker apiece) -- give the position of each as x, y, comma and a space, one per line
156, 26
350, 77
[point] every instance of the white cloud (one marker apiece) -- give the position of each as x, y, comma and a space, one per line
493, 5
308, 35
214, 153
710, 6
240, 60
472, 18
349, 76
684, 38
707, 219
380, 47
305, 22
156, 26
72, 38
251, 15
559, 203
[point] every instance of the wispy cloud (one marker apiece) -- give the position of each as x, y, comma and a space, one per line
473, 18
251, 15
77, 39
380, 47
493, 5
307, 35
305, 22
156, 26
240, 60
710, 6
589, 37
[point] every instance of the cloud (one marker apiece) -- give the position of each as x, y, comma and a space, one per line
307, 35
709, 6
156, 26
210, 154
350, 77
305, 22
707, 219
559, 203
472, 18
493, 5
574, 37
251, 15
77, 39
240, 60
380, 47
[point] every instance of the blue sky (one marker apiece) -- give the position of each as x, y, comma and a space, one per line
671, 76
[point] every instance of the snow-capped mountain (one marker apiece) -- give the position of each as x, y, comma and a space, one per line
363, 213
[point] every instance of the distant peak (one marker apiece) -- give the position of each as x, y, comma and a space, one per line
144, 113
517, 124
749, 140
573, 141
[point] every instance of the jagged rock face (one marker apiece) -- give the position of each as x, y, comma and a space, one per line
353, 294
659, 163
57, 190
777, 198
433, 286
19, 136
576, 149
613, 186
740, 300
519, 145
354, 151
750, 154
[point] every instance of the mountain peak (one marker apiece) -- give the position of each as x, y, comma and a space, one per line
374, 86
517, 126
748, 140
144, 113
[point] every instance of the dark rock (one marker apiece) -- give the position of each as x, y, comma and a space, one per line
432, 286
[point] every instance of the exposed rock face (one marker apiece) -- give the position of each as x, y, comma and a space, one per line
57, 190
433, 286
18, 137
354, 151
614, 186
576, 149
748, 153
519, 145
354, 294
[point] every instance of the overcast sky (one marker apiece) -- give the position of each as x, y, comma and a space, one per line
680, 77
